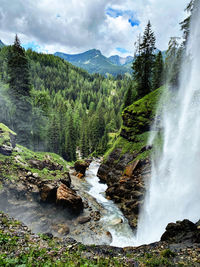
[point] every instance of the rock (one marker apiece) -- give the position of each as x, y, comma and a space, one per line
81, 166
48, 193
66, 179
80, 175
96, 215
83, 219
47, 163
181, 231
35, 175
116, 221
7, 140
64, 230
125, 182
130, 168
38, 164
68, 198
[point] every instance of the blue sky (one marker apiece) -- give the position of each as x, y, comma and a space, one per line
131, 16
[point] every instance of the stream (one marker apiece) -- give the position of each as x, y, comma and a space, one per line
111, 229
112, 217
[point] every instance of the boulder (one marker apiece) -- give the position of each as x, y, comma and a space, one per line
48, 192
81, 166
47, 163
181, 231
7, 140
67, 197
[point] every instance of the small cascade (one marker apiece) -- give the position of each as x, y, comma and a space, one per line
117, 224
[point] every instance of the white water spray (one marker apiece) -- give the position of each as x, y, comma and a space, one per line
174, 189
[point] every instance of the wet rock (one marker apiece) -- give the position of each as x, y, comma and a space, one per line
64, 230
96, 215
81, 166
84, 219
181, 231
116, 221
67, 197
48, 193
66, 179
125, 182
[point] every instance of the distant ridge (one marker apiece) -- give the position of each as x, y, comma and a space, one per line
94, 62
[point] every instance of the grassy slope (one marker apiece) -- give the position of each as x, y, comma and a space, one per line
137, 120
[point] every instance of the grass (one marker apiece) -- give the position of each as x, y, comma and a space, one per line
10, 166
5, 134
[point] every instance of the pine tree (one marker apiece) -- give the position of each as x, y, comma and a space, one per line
157, 73
70, 140
143, 64
173, 62
18, 70
20, 87
129, 96
53, 136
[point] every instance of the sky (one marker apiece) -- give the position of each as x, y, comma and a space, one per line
74, 26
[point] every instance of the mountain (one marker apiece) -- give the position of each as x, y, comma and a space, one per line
2, 44
117, 60
94, 62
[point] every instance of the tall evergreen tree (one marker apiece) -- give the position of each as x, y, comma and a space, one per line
20, 87
143, 64
18, 70
129, 96
173, 62
157, 73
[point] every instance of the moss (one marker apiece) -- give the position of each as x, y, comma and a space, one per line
5, 134
137, 121
129, 147
138, 117
4, 128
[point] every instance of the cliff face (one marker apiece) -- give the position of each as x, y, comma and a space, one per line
128, 165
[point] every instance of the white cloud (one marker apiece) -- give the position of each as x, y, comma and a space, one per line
73, 26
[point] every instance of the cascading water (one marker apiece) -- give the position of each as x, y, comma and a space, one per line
174, 189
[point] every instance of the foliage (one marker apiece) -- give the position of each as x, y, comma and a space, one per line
19, 90
69, 107
158, 71
143, 64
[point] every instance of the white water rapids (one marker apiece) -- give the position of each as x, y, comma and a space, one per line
122, 235
174, 189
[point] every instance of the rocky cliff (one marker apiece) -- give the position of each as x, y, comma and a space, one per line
127, 166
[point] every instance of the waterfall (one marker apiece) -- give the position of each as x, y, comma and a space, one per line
174, 190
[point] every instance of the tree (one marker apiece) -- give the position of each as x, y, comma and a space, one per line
157, 73
191, 9
70, 140
143, 64
20, 87
129, 96
18, 70
173, 62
